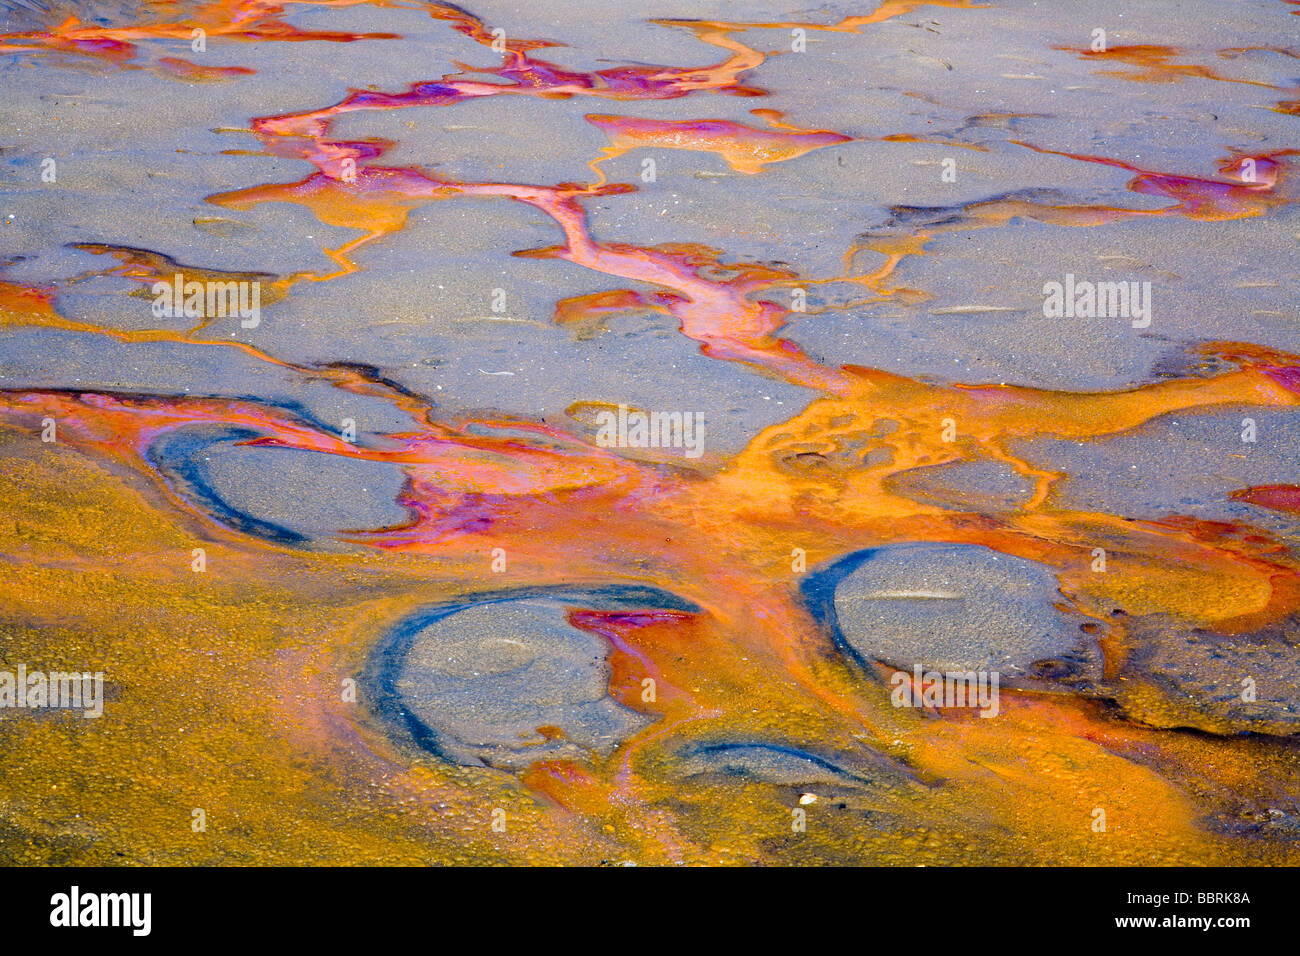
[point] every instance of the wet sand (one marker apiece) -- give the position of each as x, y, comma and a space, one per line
613, 412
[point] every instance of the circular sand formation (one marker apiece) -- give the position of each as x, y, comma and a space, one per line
484, 680
505, 680
950, 608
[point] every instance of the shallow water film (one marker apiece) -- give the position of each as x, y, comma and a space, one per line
689, 432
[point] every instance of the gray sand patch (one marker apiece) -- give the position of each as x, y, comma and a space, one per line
953, 607
484, 679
